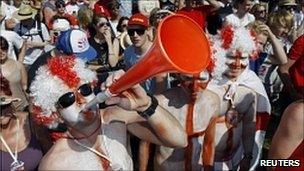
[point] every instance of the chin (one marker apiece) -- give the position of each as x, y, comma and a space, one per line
4, 120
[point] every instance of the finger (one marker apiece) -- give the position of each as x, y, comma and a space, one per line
113, 100
109, 80
103, 86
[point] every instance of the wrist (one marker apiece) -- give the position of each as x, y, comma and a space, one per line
148, 110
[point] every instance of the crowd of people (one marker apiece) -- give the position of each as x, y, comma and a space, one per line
56, 56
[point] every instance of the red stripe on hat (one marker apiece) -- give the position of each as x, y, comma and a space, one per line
262, 119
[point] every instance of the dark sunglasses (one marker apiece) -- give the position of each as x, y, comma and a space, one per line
139, 32
56, 33
288, 7
124, 25
69, 98
103, 24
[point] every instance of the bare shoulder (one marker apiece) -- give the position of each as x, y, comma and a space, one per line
174, 95
53, 159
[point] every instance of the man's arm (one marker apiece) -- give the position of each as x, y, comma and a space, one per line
279, 56
160, 127
289, 133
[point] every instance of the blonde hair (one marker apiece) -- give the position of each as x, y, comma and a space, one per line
85, 17
255, 27
280, 18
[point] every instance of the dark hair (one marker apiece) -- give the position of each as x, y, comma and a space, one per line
3, 43
59, 3
96, 18
214, 23
4, 85
119, 27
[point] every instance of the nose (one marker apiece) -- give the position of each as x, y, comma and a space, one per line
135, 34
237, 62
79, 98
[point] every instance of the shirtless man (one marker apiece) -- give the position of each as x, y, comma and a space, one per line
244, 105
194, 107
96, 139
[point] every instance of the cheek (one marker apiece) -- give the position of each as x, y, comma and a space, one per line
70, 114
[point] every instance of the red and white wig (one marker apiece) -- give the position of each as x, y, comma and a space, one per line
61, 74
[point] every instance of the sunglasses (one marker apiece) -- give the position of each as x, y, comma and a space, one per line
124, 25
139, 32
288, 7
56, 33
103, 24
69, 98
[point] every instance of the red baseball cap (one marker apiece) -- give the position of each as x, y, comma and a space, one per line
138, 19
100, 8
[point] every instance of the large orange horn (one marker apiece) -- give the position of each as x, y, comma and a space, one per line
180, 46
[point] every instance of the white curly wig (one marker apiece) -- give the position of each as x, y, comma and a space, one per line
58, 76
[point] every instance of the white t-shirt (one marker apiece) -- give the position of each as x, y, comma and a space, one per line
32, 35
14, 40
235, 21
7, 10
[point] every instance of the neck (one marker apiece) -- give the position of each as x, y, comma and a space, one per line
10, 125
99, 37
240, 14
143, 49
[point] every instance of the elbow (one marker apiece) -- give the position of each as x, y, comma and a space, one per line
184, 141
181, 141
284, 61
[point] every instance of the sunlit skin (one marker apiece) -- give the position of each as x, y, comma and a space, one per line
74, 115
244, 7
61, 10
3, 55
10, 23
260, 13
261, 40
104, 28
6, 115
280, 31
236, 65
124, 23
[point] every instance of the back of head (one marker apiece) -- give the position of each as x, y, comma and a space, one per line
59, 3
255, 26
85, 17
